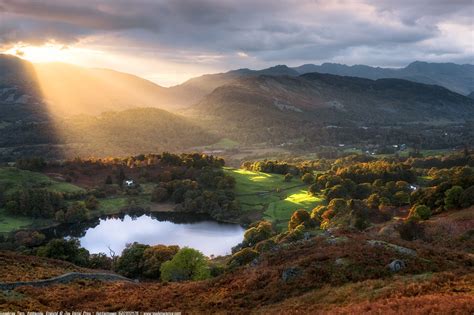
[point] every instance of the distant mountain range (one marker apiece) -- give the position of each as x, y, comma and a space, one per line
277, 103
458, 78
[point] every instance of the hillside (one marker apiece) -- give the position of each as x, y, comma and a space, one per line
324, 275
131, 131
458, 78
287, 107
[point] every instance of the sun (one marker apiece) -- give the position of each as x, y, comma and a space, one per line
43, 53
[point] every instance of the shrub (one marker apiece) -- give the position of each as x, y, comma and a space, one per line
418, 212
100, 261
314, 189
132, 261
187, 264
307, 178
467, 197
300, 217
243, 257
452, 197
154, 257
91, 203
262, 231
316, 213
68, 250
159, 194
288, 177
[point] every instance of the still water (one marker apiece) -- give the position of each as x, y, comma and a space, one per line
208, 236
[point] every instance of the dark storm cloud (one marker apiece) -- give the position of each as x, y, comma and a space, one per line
268, 31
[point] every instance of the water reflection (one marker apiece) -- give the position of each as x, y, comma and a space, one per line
202, 233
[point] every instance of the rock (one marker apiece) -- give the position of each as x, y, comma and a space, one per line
397, 265
400, 249
290, 274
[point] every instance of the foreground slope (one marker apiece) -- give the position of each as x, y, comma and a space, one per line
329, 273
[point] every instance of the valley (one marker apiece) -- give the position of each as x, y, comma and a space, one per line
344, 190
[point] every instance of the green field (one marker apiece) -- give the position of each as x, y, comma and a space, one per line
12, 179
270, 195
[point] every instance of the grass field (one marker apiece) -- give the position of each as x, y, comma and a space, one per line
271, 195
12, 179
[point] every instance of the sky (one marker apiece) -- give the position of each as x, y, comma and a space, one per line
171, 41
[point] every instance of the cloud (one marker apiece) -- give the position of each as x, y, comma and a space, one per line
221, 33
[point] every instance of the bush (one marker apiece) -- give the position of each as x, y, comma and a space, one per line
187, 264
132, 261
68, 250
262, 231
91, 203
300, 217
314, 189
467, 197
243, 257
452, 197
288, 177
307, 178
418, 212
154, 257
100, 261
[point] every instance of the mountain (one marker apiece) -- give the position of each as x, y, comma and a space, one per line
195, 89
286, 107
65, 90
458, 78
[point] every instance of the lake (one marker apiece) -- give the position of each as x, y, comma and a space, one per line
199, 232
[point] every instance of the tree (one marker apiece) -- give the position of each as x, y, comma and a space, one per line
91, 203
262, 231
300, 217
314, 189
121, 177
401, 198
132, 262
68, 250
452, 197
187, 264
76, 212
154, 257
467, 197
100, 261
418, 212
307, 178
159, 194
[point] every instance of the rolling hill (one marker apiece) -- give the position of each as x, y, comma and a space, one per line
285, 107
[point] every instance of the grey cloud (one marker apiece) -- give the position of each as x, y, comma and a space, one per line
268, 30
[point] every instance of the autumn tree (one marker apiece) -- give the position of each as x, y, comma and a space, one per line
187, 264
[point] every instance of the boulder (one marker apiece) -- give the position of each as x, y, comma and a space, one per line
397, 265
